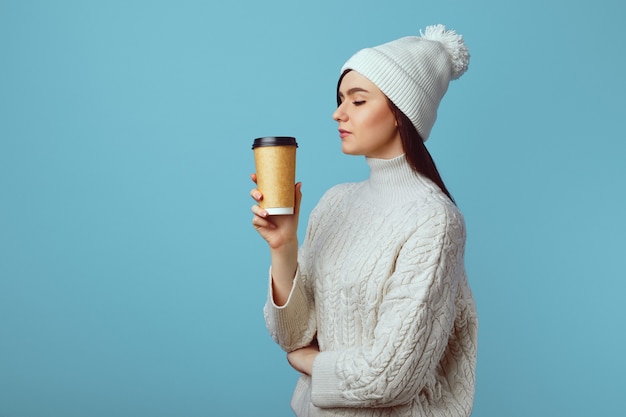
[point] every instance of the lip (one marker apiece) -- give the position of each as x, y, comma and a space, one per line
343, 133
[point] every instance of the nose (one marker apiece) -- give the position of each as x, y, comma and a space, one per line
339, 115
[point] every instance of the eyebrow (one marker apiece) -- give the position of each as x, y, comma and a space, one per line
354, 90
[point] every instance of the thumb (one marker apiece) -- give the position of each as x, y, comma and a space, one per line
298, 198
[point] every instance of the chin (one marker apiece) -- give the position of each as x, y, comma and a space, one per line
348, 151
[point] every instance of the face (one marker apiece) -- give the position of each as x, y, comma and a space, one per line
367, 125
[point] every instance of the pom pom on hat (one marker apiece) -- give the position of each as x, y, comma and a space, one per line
414, 71
453, 43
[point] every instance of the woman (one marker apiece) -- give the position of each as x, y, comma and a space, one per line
374, 309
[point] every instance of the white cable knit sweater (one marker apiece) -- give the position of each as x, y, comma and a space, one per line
381, 284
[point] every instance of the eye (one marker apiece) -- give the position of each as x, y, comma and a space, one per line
358, 102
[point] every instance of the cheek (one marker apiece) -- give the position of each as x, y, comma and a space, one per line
383, 122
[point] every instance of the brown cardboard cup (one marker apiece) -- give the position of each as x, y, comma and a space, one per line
275, 160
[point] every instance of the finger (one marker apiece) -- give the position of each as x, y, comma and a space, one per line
256, 194
259, 212
253, 177
298, 198
260, 223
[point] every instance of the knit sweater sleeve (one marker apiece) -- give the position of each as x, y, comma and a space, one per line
414, 322
292, 325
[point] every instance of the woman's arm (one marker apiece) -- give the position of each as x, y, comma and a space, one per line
302, 359
284, 265
280, 232
288, 313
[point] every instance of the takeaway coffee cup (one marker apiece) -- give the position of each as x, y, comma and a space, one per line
275, 160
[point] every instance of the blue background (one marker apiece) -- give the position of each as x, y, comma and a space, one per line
131, 280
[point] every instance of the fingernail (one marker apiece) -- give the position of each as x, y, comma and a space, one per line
257, 195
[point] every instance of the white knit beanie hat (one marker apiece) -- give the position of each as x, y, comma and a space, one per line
414, 72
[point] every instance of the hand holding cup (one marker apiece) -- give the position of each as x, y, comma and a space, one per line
277, 197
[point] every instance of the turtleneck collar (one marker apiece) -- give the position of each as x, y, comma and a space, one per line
393, 180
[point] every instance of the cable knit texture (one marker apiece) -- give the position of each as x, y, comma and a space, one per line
381, 284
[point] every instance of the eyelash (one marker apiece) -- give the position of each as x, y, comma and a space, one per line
355, 103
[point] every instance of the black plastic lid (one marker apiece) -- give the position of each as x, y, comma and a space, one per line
275, 141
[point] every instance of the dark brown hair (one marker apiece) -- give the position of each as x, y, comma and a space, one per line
413, 145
